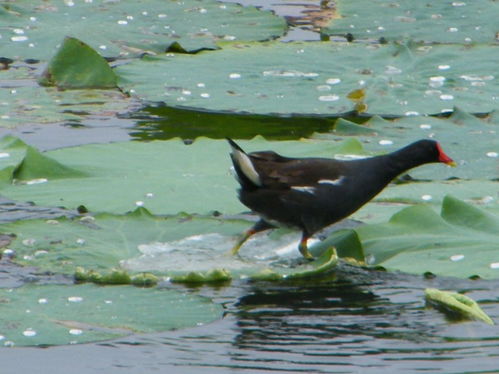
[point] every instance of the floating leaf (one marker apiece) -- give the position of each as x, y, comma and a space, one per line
110, 249
24, 102
461, 242
478, 192
129, 28
322, 265
315, 78
442, 21
456, 304
167, 177
53, 315
76, 65
467, 139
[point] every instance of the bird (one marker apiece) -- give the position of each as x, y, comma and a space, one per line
312, 193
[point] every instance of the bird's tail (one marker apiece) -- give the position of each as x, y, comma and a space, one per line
245, 170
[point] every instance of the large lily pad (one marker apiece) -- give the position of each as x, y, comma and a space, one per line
55, 314
471, 141
477, 192
115, 178
33, 29
439, 21
462, 241
183, 247
24, 102
166, 177
315, 78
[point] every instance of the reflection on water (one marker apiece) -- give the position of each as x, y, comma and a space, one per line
334, 326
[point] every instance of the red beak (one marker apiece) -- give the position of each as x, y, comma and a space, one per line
442, 157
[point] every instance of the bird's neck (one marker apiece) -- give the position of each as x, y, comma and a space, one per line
377, 172
402, 160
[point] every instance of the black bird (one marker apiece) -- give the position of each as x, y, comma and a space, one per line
312, 193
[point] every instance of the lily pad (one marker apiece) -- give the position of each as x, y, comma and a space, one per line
456, 304
33, 29
471, 141
24, 102
315, 78
476, 192
55, 314
184, 248
462, 241
440, 22
76, 65
167, 177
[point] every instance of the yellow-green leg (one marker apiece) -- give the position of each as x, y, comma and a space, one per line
257, 227
241, 241
304, 249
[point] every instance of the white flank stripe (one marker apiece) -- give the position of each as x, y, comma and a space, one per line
308, 189
334, 182
247, 167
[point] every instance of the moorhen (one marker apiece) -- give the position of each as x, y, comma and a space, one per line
312, 193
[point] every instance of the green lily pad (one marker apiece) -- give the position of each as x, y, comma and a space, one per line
456, 304
76, 65
462, 241
25, 102
185, 248
24, 162
315, 78
476, 192
54, 314
441, 21
33, 29
166, 177
471, 141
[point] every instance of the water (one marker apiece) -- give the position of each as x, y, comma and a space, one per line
358, 322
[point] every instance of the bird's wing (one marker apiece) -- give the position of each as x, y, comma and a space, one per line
280, 172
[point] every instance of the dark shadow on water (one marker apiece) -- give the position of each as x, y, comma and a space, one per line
164, 122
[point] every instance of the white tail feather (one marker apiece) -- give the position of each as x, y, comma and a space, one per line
246, 166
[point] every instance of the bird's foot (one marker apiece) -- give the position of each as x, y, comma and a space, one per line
304, 251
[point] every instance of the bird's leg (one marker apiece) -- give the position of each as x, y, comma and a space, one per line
241, 241
303, 247
261, 225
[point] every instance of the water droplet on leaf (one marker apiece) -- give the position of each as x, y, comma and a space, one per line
456, 257
329, 98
